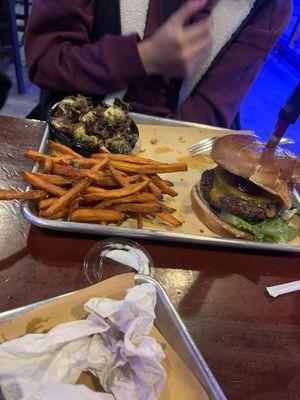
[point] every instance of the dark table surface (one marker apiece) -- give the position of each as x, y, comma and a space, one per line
250, 341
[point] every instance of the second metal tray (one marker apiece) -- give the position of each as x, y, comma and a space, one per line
170, 326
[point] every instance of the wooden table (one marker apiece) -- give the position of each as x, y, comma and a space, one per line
250, 341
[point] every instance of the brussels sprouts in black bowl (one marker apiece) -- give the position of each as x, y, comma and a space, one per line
89, 128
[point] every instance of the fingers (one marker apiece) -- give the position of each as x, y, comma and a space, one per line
198, 29
187, 10
196, 58
175, 46
202, 49
196, 52
197, 41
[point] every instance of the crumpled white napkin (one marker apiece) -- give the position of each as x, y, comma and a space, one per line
117, 350
34, 390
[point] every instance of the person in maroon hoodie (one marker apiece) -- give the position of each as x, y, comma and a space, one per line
187, 60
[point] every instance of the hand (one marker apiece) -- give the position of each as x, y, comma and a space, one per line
176, 49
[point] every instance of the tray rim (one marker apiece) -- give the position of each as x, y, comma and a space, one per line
209, 381
92, 229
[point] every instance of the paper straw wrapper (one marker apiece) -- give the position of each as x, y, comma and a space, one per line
278, 290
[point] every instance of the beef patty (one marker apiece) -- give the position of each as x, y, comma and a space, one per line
249, 211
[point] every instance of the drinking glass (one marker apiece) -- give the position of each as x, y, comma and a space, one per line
115, 256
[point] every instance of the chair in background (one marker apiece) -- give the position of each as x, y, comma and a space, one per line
13, 18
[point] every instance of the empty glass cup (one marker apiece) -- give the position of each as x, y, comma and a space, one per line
115, 256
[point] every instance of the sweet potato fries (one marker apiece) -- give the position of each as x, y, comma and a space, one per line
103, 189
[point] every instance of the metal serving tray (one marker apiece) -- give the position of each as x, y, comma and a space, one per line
77, 227
170, 326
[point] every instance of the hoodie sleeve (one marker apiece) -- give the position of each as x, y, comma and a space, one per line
217, 98
60, 55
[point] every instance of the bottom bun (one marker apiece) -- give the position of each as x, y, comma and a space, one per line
212, 221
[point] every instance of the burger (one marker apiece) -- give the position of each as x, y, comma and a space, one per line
250, 193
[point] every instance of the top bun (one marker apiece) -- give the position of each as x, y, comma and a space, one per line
242, 155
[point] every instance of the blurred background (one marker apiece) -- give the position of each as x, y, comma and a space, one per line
276, 82
269, 93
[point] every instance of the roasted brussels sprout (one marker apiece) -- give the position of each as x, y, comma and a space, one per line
118, 145
124, 106
72, 106
63, 124
96, 126
80, 135
79, 129
91, 140
114, 115
89, 118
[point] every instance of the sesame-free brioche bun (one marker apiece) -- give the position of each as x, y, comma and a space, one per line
242, 155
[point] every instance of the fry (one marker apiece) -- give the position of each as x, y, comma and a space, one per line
63, 149
163, 186
55, 179
169, 183
74, 205
134, 168
101, 194
135, 198
134, 178
44, 203
145, 208
155, 190
92, 215
60, 215
93, 190
124, 173
16, 195
149, 169
76, 173
126, 158
117, 176
83, 162
167, 210
106, 181
90, 203
66, 199
103, 189
139, 221
40, 183
169, 219
48, 166
100, 165
36, 156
